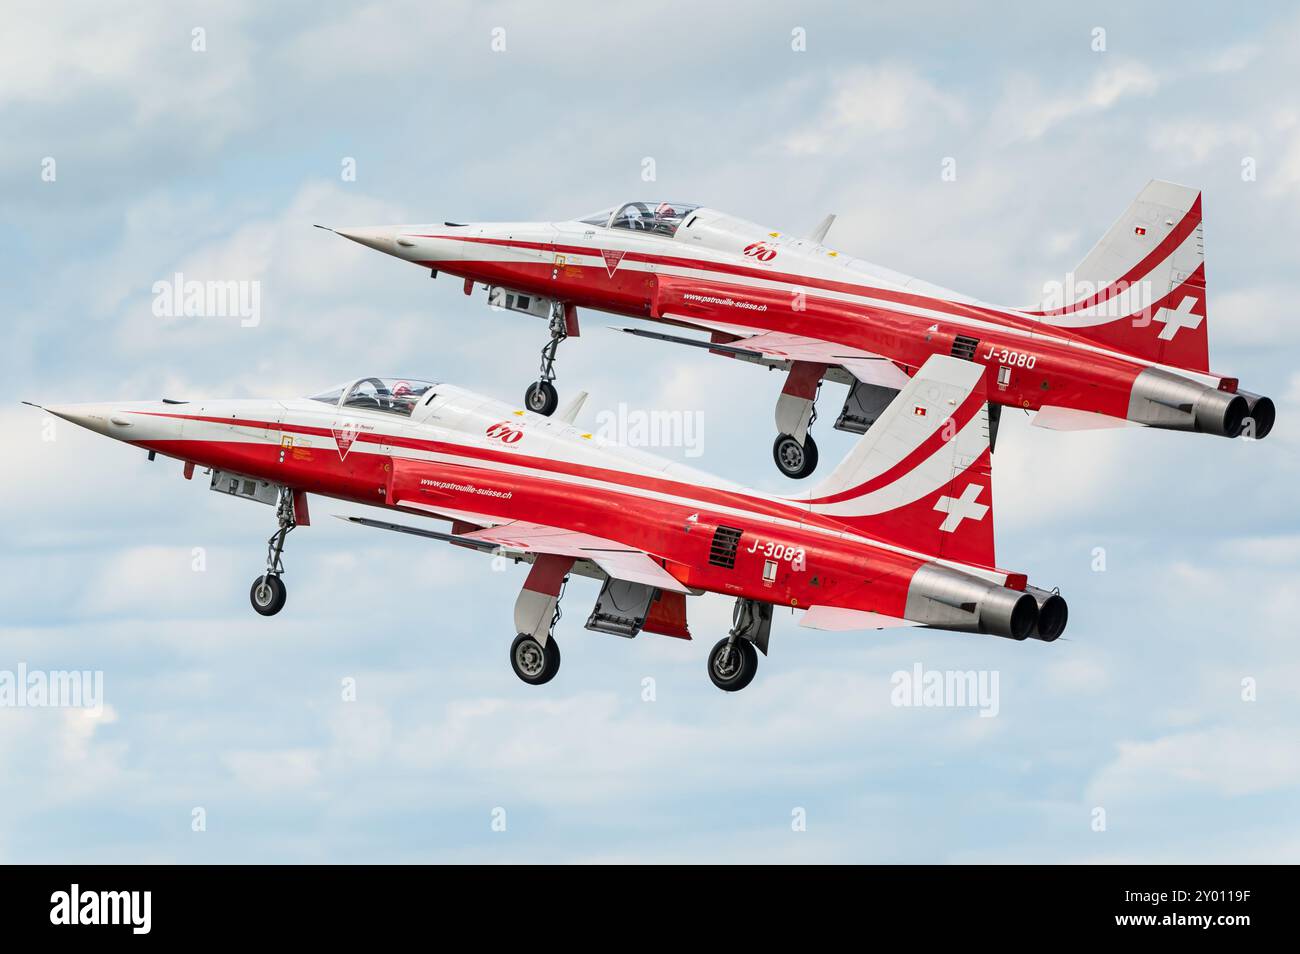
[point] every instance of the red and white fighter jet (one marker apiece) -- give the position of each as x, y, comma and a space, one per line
900, 534
1122, 340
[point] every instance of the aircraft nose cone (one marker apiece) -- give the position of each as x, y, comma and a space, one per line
380, 238
100, 418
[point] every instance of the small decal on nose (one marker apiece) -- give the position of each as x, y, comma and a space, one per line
612, 260
345, 434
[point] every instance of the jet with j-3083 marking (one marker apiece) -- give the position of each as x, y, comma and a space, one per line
900, 534
1123, 340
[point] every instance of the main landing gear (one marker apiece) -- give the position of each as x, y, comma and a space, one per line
794, 450
541, 396
532, 662
268, 591
793, 459
625, 609
733, 661
535, 655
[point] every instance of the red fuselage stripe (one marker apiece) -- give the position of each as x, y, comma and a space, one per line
956, 309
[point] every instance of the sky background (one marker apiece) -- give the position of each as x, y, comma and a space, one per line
217, 163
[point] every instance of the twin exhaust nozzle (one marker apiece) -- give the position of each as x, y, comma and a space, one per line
1169, 401
950, 599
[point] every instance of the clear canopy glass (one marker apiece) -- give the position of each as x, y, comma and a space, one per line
391, 395
658, 218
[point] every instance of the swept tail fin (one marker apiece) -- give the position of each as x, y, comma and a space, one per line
921, 476
1141, 289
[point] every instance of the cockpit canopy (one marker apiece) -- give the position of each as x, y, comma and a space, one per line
392, 395
657, 218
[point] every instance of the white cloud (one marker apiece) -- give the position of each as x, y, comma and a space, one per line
275, 769
135, 62
1026, 112
875, 102
1227, 761
234, 709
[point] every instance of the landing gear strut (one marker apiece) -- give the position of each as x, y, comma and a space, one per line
541, 396
794, 450
268, 591
535, 655
733, 661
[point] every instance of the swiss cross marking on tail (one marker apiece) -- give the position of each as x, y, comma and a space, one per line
958, 509
1182, 317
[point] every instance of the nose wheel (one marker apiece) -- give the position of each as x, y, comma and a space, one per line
268, 595
268, 592
793, 459
541, 396
532, 662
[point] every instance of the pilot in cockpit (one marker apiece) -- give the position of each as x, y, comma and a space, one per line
659, 218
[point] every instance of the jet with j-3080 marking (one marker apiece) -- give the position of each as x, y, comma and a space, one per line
900, 534
1122, 341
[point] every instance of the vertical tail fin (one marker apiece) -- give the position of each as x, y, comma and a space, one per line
1141, 289
921, 476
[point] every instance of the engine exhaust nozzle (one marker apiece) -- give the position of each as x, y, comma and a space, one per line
1218, 412
1173, 402
1260, 415
1053, 614
944, 598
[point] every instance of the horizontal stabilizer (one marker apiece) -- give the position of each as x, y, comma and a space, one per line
841, 620
1072, 419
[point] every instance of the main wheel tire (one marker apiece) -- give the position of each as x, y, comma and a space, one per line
542, 398
532, 662
267, 594
736, 671
793, 459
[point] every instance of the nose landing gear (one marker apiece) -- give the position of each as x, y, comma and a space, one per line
268, 592
541, 396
